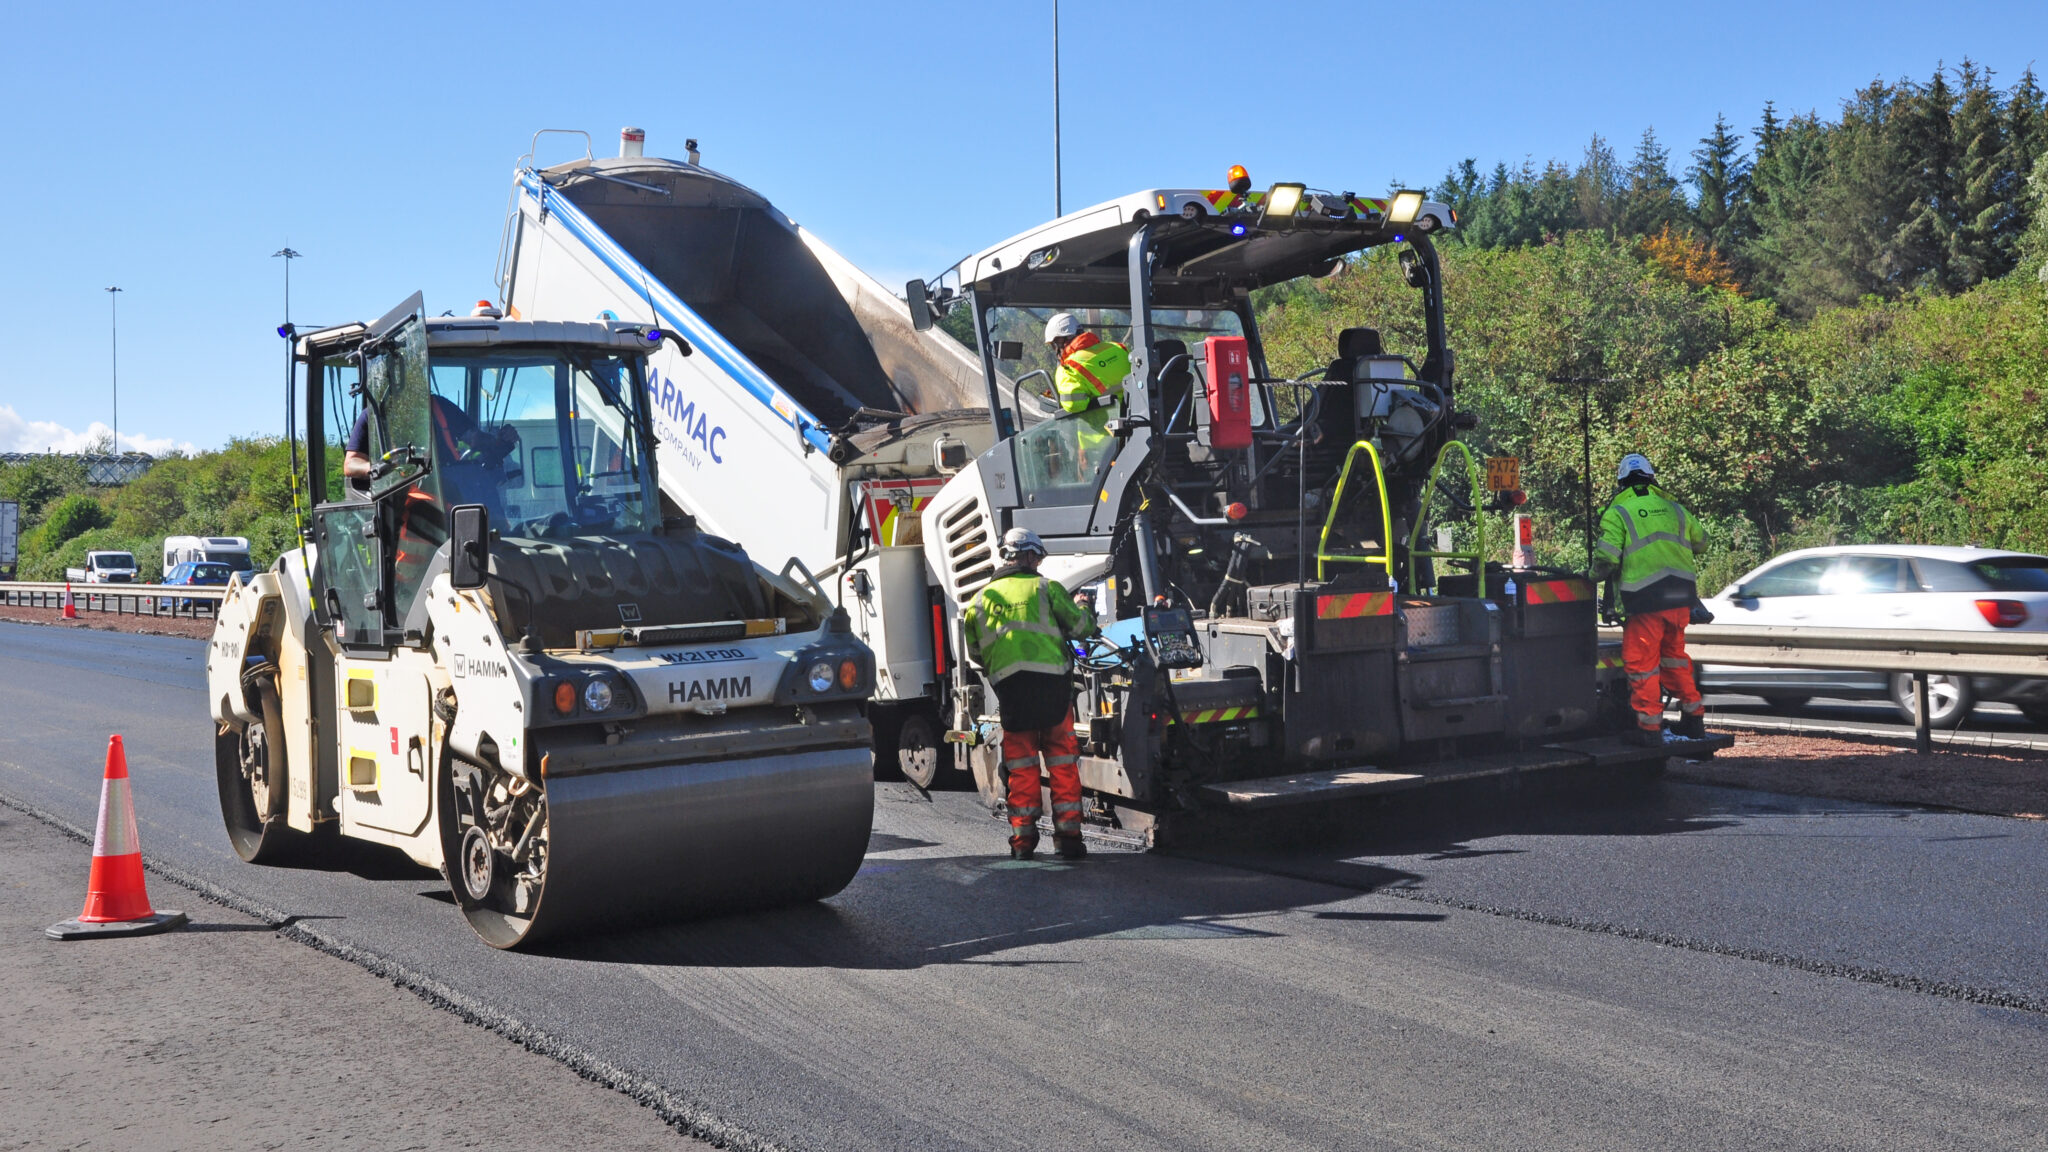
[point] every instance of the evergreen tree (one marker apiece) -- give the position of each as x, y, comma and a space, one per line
1596, 187
1650, 198
1720, 176
1987, 187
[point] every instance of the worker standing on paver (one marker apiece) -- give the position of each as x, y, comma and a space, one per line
1651, 545
1018, 630
1089, 381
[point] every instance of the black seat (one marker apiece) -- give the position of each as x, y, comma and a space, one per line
1353, 344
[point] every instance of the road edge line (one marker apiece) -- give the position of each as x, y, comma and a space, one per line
682, 1115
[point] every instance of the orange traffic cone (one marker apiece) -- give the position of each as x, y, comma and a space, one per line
70, 609
116, 903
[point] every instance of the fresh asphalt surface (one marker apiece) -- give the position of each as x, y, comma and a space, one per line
1661, 966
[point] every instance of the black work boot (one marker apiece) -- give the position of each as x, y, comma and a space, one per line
1069, 846
1647, 737
1691, 726
1021, 847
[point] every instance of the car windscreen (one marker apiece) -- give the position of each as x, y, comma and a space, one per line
211, 573
113, 560
2013, 573
235, 561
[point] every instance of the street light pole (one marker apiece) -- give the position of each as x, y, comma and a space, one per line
114, 349
1057, 208
289, 256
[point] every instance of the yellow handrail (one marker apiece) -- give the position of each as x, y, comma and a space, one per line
1478, 556
1324, 556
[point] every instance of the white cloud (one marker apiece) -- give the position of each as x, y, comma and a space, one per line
19, 435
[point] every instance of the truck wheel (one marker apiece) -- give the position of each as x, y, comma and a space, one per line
918, 750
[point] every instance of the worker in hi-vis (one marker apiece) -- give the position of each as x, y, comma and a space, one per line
1089, 382
1651, 545
1018, 631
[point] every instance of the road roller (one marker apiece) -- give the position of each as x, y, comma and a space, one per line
504, 652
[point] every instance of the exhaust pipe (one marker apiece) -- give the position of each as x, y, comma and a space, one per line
632, 142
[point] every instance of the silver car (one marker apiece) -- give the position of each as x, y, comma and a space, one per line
1889, 586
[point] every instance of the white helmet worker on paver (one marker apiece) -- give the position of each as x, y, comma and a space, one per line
1021, 542
1632, 464
1062, 326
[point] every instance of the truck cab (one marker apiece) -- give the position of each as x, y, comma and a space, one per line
105, 567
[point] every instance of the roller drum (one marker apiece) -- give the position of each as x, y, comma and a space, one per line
640, 846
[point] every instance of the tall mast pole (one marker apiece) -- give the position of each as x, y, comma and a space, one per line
1057, 208
114, 359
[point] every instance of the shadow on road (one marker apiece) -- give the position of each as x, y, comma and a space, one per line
1455, 823
911, 912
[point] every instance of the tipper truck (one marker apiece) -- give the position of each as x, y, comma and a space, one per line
815, 420
502, 653
1282, 625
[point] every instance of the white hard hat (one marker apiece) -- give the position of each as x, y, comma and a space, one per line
1062, 326
1018, 541
1633, 463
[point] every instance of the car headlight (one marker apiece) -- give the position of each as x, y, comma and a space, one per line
821, 676
597, 696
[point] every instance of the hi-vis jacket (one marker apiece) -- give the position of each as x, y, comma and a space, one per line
1021, 622
1653, 542
1091, 372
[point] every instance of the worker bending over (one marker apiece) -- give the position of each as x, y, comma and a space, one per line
1018, 632
1090, 376
1649, 540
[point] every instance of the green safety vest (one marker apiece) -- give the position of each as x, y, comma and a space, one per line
1021, 622
1094, 369
1650, 539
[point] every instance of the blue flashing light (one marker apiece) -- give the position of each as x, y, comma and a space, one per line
1398, 237
654, 335
1237, 229
284, 331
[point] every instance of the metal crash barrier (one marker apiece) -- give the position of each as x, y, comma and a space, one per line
1922, 652
174, 600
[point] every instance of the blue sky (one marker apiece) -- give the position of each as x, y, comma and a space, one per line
171, 149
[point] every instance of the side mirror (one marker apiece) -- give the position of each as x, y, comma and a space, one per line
1412, 270
920, 301
1009, 349
469, 545
1741, 592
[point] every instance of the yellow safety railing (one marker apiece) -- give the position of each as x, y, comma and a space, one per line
1325, 557
1478, 555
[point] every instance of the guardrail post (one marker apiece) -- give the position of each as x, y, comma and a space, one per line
1923, 733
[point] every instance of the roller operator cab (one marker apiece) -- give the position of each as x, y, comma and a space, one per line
1259, 549
502, 653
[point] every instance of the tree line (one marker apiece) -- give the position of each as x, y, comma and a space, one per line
1913, 185
1840, 338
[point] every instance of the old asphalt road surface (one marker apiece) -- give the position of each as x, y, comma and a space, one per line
1670, 967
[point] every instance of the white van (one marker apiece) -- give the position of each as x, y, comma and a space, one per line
230, 550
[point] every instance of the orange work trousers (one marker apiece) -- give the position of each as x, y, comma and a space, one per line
1021, 751
1653, 651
